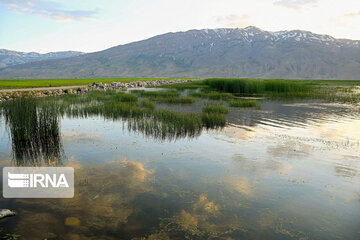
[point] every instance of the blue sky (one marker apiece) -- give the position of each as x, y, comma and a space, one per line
93, 25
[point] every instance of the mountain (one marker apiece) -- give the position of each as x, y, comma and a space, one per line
247, 52
10, 58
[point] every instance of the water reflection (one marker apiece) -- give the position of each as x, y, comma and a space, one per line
34, 132
228, 184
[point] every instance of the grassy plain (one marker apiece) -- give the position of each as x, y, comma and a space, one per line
37, 83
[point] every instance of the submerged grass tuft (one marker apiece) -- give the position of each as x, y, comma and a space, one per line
175, 100
213, 120
147, 104
212, 95
215, 109
244, 103
156, 94
257, 86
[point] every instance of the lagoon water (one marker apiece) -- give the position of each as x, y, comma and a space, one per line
285, 171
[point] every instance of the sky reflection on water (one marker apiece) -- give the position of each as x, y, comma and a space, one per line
287, 171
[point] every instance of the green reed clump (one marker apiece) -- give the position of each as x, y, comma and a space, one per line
147, 104
175, 100
156, 94
215, 109
124, 97
187, 85
244, 103
212, 95
95, 95
213, 120
167, 124
258, 86
34, 131
220, 96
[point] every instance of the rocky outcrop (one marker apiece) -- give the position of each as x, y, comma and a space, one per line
124, 85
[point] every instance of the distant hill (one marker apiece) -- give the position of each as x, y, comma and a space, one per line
9, 58
248, 52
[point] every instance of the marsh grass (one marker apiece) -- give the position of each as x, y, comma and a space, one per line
175, 100
215, 109
124, 97
258, 86
34, 131
187, 85
241, 103
213, 120
156, 94
171, 97
140, 115
212, 95
147, 104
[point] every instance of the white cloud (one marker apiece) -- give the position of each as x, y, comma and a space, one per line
353, 14
343, 21
234, 20
49, 9
294, 4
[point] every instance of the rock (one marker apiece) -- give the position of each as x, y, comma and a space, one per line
6, 213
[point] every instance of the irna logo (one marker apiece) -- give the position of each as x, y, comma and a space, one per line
38, 182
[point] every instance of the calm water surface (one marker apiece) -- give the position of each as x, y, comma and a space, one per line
285, 171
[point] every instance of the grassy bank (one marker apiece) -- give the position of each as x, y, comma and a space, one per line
37, 83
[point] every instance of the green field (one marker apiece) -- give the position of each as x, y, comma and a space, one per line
37, 83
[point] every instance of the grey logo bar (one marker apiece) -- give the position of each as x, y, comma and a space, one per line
38, 182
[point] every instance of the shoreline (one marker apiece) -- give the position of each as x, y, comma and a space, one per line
8, 94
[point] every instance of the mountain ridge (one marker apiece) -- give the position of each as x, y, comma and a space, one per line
10, 57
222, 52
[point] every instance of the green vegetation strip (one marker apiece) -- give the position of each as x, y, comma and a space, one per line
244, 103
215, 109
172, 97
37, 83
347, 91
140, 115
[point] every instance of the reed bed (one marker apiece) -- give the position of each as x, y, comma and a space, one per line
175, 100
242, 103
156, 94
34, 131
258, 86
147, 104
212, 95
213, 120
215, 109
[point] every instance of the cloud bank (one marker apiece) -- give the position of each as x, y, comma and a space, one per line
50, 9
294, 4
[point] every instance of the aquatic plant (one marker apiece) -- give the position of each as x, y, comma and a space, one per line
215, 109
213, 120
124, 97
244, 103
156, 94
257, 86
187, 85
147, 104
34, 131
175, 100
212, 95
